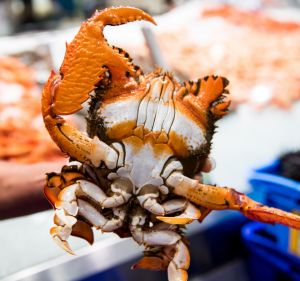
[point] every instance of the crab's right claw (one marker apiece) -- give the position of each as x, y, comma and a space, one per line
89, 61
89, 56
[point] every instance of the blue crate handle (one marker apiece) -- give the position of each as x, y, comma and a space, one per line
267, 179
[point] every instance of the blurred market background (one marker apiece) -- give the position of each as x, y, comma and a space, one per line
254, 43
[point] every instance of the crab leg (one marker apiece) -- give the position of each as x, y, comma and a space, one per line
149, 202
88, 61
189, 214
64, 193
221, 198
122, 190
67, 224
174, 258
178, 266
150, 237
60, 235
62, 190
100, 221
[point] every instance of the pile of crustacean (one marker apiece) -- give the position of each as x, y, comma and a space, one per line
22, 139
148, 135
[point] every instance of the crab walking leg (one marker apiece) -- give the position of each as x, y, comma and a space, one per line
189, 214
68, 206
221, 198
62, 231
175, 258
121, 187
150, 237
67, 225
98, 220
149, 202
178, 266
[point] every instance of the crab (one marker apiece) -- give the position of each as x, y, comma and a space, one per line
147, 137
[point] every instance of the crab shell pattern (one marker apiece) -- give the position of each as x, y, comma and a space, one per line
148, 135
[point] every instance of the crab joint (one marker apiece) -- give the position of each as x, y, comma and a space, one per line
79, 146
189, 214
177, 269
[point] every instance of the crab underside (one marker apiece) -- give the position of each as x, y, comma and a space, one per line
148, 136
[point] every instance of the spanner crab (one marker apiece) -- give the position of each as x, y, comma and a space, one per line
148, 136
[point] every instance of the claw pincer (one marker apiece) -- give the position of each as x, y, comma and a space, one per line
147, 137
86, 62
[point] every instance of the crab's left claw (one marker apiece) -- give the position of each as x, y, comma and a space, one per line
89, 62
222, 198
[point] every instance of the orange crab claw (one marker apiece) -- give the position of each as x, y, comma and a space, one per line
88, 56
222, 198
88, 60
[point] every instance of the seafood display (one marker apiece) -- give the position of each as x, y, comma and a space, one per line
148, 135
22, 134
259, 55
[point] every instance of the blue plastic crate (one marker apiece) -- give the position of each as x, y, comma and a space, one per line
276, 191
266, 260
275, 188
